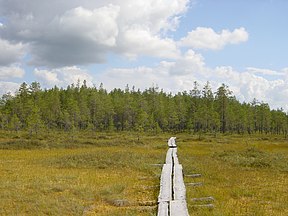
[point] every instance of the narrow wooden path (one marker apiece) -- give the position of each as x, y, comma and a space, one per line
172, 195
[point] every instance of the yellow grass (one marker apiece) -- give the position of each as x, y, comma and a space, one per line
238, 188
49, 178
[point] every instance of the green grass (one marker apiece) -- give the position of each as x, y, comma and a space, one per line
111, 173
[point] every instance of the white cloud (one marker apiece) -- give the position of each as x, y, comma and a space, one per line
190, 63
6, 87
11, 72
63, 76
155, 15
172, 76
60, 34
278, 94
48, 77
264, 71
137, 41
140, 77
10, 53
207, 38
97, 26
179, 75
79, 36
82, 32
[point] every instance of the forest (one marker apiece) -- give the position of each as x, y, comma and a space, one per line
79, 107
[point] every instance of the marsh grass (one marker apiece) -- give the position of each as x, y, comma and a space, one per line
254, 158
102, 159
111, 173
55, 175
85, 139
246, 175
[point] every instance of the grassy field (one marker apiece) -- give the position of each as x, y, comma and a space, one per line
113, 174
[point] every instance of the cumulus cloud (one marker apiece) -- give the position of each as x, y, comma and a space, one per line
140, 77
10, 53
98, 25
207, 38
179, 75
264, 71
63, 33
63, 76
48, 77
137, 41
8, 87
172, 76
155, 15
60, 34
190, 63
11, 72
79, 36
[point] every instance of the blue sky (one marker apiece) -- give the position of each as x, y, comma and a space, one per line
264, 20
169, 43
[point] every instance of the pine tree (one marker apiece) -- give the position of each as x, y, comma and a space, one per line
34, 121
223, 95
15, 123
88, 108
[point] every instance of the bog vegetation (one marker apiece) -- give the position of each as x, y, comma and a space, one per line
79, 107
101, 173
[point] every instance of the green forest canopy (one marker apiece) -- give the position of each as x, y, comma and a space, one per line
79, 107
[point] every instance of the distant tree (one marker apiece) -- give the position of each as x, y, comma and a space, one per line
34, 87
15, 123
34, 122
223, 95
79, 107
23, 90
3, 120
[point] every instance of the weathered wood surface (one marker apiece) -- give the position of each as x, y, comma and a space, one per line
169, 156
174, 156
178, 183
172, 195
194, 175
163, 209
200, 199
165, 194
178, 208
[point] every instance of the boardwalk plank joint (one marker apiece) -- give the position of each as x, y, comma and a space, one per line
172, 195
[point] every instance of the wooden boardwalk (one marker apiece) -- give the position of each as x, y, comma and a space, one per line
172, 195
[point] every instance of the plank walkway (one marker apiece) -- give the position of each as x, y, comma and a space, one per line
172, 195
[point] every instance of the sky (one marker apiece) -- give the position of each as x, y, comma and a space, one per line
144, 43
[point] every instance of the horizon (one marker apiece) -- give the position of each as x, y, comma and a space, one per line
155, 87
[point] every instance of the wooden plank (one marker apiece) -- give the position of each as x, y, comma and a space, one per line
195, 184
172, 195
178, 183
205, 199
163, 209
169, 156
178, 208
165, 193
174, 156
194, 175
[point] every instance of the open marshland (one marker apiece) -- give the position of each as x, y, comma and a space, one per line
116, 173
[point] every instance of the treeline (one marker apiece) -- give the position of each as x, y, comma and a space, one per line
79, 107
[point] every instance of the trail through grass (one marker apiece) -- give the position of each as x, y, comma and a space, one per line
111, 174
